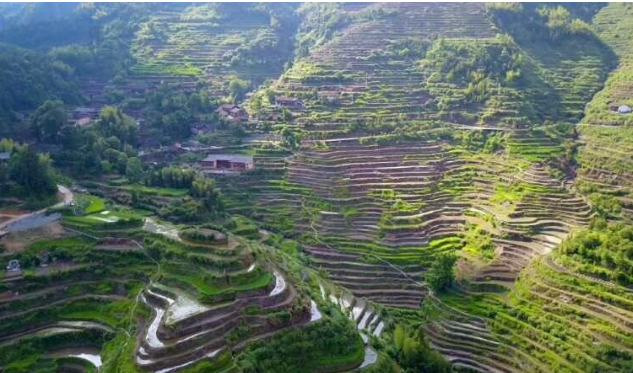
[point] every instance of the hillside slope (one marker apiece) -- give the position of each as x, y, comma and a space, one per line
435, 187
606, 137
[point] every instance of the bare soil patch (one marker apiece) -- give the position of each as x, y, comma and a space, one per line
18, 241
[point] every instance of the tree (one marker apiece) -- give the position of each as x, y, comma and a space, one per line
134, 170
414, 354
113, 122
206, 190
286, 115
32, 172
441, 275
256, 103
237, 88
48, 120
291, 139
6, 145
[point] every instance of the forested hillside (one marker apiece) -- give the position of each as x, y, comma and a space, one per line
316, 187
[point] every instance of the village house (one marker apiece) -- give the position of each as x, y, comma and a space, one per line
619, 108
82, 121
232, 113
354, 88
85, 112
188, 87
289, 102
229, 162
5, 156
328, 96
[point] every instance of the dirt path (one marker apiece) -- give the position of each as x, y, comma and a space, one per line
37, 219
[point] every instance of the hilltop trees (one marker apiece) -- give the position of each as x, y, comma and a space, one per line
304, 350
291, 138
206, 190
6, 145
170, 113
550, 22
173, 177
29, 78
104, 146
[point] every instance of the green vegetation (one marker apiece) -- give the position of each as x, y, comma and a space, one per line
18, 68
441, 275
105, 220
604, 252
480, 68
456, 177
29, 175
328, 345
48, 120
412, 351
479, 243
90, 204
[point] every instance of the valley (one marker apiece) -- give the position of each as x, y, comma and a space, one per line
316, 188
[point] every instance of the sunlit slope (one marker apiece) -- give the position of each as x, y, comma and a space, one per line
606, 137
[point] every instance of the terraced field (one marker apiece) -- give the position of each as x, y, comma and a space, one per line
186, 317
377, 74
605, 136
553, 318
195, 45
405, 148
374, 217
364, 83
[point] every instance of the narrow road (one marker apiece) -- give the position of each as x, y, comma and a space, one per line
37, 218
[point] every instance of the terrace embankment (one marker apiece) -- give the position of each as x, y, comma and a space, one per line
390, 66
349, 77
377, 215
183, 332
604, 155
185, 47
552, 317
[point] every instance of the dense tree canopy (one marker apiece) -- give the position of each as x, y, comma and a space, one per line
301, 350
113, 122
414, 353
605, 251
48, 120
29, 78
32, 172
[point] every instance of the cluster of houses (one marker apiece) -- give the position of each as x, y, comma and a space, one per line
232, 113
